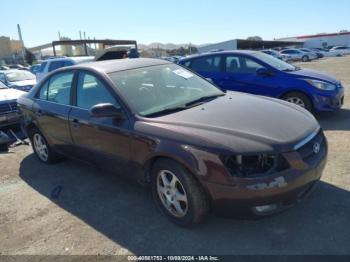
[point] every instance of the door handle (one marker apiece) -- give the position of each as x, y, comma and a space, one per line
75, 123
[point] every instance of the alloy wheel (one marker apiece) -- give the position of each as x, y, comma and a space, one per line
172, 193
40, 147
296, 100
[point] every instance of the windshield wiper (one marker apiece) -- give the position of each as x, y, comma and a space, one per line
167, 111
202, 99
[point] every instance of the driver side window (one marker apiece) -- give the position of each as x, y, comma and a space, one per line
91, 91
241, 65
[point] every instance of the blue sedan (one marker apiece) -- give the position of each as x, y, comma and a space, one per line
260, 74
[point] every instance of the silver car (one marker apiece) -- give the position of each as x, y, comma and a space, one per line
299, 55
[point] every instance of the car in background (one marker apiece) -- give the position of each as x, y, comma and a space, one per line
9, 116
341, 49
173, 59
50, 65
257, 73
17, 66
316, 54
195, 146
34, 68
18, 79
328, 53
4, 67
278, 55
298, 55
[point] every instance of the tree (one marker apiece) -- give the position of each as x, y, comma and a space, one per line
255, 38
30, 57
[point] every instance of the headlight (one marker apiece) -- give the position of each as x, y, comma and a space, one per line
321, 85
254, 165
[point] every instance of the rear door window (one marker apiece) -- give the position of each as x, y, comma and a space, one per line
59, 88
207, 64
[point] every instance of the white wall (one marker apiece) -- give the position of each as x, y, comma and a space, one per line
317, 42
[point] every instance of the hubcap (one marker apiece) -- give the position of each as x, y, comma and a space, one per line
40, 147
296, 100
172, 193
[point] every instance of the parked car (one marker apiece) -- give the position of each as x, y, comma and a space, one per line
52, 64
278, 55
341, 49
328, 53
18, 79
298, 55
197, 146
18, 66
9, 116
260, 74
34, 68
4, 68
314, 53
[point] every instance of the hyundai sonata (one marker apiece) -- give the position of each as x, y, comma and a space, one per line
198, 147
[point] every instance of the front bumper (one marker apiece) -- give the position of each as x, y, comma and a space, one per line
280, 190
329, 102
9, 119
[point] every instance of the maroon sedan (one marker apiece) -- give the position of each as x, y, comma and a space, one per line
198, 147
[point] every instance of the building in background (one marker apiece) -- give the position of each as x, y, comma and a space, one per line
322, 40
10, 50
246, 44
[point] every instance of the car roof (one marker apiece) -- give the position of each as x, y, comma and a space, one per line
76, 59
115, 65
227, 52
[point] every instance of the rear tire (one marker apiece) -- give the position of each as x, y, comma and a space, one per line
178, 194
299, 99
41, 148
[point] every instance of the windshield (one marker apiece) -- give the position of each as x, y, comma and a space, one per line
274, 62
162, 88
20, 75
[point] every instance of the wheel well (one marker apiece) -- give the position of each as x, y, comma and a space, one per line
30, 128
297, 91
148, 169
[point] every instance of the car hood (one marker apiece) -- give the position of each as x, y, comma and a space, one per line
9, 94
23, 83
308, 73
238, 122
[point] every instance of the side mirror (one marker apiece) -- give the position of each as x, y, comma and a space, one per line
106, 110
262, 71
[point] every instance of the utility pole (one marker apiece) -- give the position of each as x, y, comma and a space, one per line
80, 35
21, 40
59, 36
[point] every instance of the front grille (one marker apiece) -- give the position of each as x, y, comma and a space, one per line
8, 107
307, 151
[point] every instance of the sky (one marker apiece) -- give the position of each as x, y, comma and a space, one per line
176, 21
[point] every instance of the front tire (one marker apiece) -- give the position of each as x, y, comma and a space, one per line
41, 148
177, 194
299, 99
305, 58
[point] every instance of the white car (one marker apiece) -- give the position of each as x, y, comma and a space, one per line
298, 55
8, 106
50, 65
18, 79
341, 49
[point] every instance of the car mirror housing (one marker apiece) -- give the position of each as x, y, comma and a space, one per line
106, 110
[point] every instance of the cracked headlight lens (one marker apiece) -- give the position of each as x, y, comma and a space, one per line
255, 165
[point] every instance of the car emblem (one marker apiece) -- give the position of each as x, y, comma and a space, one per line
316, 148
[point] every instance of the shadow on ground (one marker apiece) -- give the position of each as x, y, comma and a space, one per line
339, 120
126, 214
